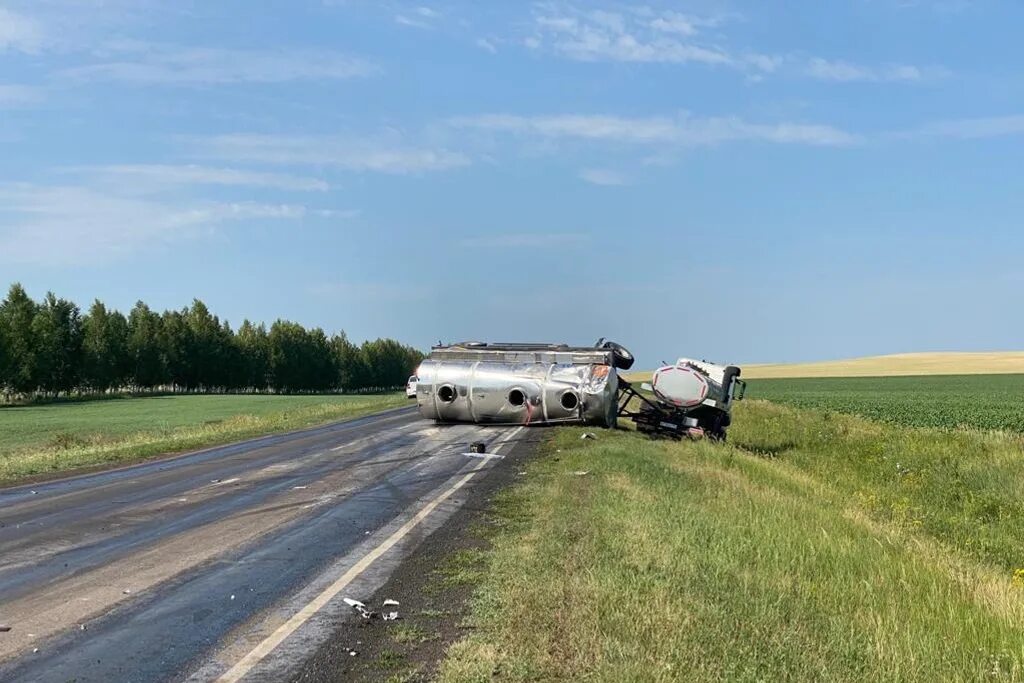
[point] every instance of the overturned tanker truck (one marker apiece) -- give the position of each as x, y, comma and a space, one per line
556, 383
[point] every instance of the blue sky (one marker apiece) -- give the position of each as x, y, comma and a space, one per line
769, 181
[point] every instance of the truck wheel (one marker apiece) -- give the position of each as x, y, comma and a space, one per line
622, 358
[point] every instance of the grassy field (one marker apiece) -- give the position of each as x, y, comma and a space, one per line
977, 401
815, 546
44, 439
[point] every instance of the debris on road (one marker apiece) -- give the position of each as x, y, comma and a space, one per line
478, 447
361, 608
485, 456
298, 488
4, 628
368, 614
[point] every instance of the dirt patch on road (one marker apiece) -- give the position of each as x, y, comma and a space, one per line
433, 586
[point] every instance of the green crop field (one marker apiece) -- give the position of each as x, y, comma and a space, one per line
45, 439
975, 401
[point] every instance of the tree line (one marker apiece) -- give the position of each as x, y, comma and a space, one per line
50, 347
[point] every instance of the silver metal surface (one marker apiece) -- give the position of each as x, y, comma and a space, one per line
518, 384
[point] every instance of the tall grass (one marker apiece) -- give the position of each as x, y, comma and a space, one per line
813, 548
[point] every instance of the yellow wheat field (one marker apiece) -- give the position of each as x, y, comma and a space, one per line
945, 363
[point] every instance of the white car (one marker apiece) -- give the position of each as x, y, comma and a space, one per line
410, 387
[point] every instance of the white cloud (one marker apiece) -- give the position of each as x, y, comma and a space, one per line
683, 131
972, 129
637, 35
82, 226
18, 95
516, 240
348, 153
846, 72
487, 45
602, 176
149, 64
640, 34
673, 22
19, 33
154, 176
419, 17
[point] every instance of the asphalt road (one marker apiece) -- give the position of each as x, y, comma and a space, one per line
226, 564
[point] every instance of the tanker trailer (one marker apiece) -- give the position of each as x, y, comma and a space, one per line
521, 383
690, 398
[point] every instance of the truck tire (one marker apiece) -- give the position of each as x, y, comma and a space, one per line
622, 358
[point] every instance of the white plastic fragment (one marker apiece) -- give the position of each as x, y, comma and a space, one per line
588, 435
389, 603
353, 603
390, 616
581, 473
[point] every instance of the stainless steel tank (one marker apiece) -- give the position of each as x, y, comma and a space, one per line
518, 384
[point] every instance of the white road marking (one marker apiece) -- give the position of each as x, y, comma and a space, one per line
260, 652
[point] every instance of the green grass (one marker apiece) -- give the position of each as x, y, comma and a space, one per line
977, 401
815, 546
44, 439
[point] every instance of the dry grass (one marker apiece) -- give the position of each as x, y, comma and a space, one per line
895, 365
902, 364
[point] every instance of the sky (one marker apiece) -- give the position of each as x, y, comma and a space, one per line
739, 181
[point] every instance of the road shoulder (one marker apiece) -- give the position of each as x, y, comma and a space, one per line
433, 585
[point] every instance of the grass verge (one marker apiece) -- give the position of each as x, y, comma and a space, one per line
48, 439
815, 547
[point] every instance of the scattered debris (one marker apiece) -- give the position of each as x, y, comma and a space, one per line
232, 596
4, 628
35, 493
478, 447
369, 614
35, 650
215, 481
361, 608
485, 456
588, 435
81, 627
125, 591
352, 653
298, 488
581, 473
